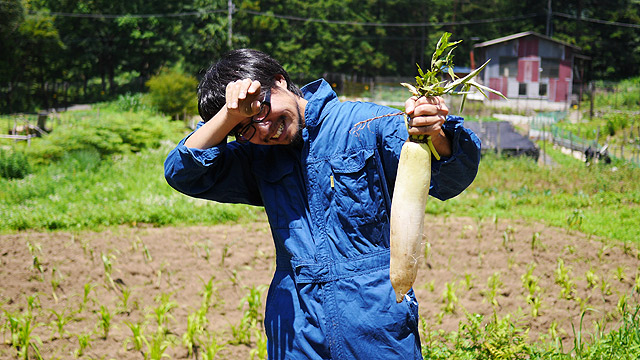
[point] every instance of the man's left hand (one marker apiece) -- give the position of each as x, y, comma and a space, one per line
426, 115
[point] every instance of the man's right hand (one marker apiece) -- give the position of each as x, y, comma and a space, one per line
243, 98
242, 102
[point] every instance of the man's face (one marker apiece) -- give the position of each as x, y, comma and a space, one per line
284, 123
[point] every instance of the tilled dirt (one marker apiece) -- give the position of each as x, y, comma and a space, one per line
170, 266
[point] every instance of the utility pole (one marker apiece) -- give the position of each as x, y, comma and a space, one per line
549, 18
230, 21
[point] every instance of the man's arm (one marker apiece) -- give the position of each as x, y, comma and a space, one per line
241, 102
203, 165
221, 173
458, 147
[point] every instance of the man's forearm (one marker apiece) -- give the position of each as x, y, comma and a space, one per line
442, 144
213, 132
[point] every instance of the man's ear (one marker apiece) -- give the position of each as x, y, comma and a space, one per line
280, 81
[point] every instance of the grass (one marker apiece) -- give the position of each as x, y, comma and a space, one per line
605, 199
84, 192
507, 338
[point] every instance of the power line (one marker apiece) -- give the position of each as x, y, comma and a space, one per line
135, 16
327, 21
597, 21
422, 24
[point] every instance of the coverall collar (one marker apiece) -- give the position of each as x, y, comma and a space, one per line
319, 94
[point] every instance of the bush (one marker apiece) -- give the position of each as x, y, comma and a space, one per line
13, 165
173, 93
616, 121
108, 134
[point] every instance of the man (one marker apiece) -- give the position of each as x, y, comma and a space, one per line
324, 172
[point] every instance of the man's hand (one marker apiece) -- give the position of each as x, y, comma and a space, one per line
242, 102
426, 115
243, 98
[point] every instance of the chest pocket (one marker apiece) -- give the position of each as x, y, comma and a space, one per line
357, 196
281, 192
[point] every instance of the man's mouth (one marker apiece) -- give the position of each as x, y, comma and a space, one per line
279, 131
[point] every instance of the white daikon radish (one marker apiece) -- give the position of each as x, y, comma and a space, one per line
407, 215
414, 170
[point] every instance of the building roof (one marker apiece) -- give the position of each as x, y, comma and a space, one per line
520, 35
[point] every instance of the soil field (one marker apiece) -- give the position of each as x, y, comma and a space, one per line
128, 275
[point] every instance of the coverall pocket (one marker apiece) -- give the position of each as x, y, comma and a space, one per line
357, 195
280, 193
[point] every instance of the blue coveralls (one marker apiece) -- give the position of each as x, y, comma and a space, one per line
328, 207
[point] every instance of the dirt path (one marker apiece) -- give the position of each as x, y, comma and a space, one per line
177, 263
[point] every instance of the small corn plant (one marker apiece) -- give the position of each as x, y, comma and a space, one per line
252, 315
493, 284
88, 287
21, 327
592, 279
530, 283
35, 250
104, 320
125, 296
137, 338
84, 341
195, 330
157, 346
55, 283
563, 278
61, 319
449, 298
108, 268
211, 348
163, 311
260, 351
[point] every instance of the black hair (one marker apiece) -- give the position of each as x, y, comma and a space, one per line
236, 65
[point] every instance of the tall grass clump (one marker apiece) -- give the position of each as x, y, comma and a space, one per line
130, 102
623, 95
505, 337
14, 164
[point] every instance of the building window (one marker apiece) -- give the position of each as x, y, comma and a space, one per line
542, 91
550, 68
508, 66
522, 89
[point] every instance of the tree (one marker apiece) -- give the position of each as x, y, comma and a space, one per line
12, 12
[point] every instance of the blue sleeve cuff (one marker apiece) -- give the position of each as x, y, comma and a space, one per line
201, 157
455, 173
454, 129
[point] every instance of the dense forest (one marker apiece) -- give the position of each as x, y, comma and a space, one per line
55, 52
